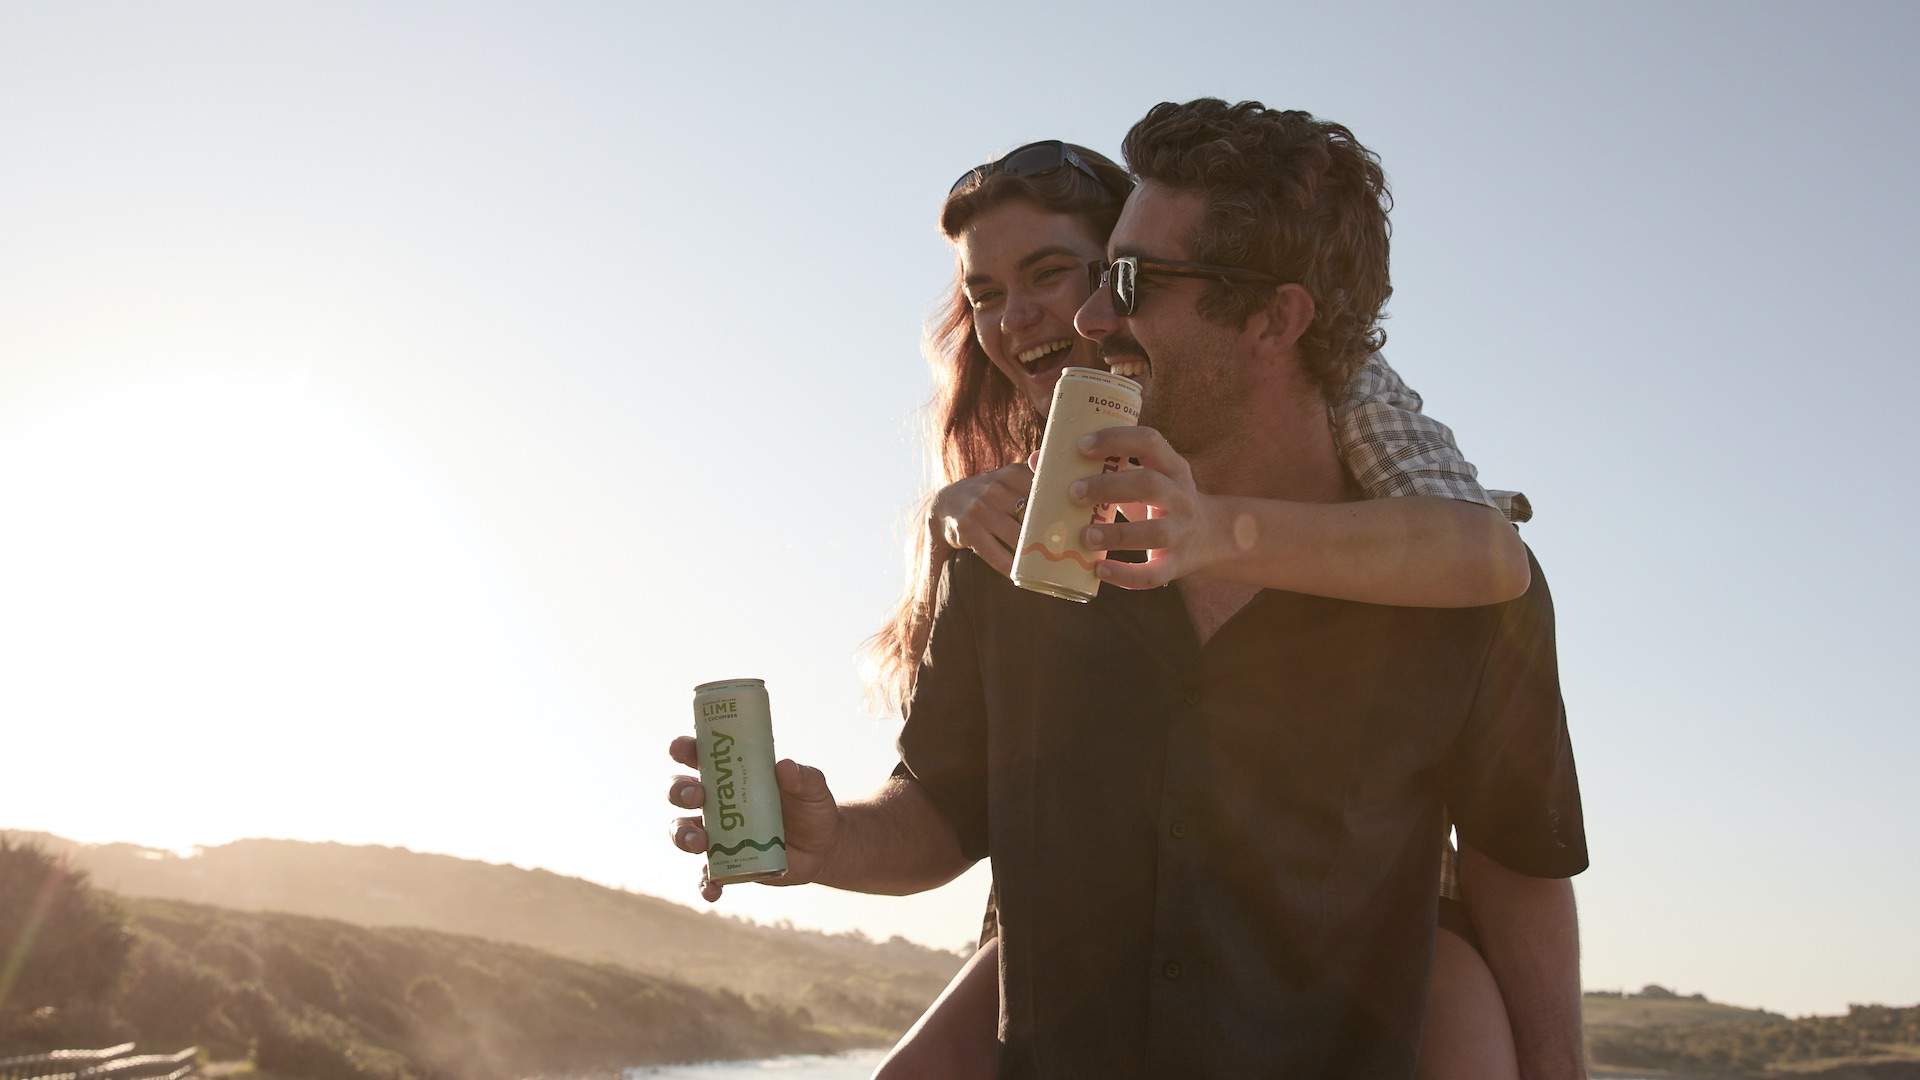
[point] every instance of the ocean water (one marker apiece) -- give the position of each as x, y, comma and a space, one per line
852, 1065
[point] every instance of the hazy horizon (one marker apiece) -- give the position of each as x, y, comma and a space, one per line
401, 411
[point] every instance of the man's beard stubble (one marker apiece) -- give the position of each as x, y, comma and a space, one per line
1194, 401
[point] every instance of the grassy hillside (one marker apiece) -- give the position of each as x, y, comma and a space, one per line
842, 980
324, 999
1658, 1033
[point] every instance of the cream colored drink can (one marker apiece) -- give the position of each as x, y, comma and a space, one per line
1050, 558
746, 838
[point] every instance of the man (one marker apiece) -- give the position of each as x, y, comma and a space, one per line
1215, 812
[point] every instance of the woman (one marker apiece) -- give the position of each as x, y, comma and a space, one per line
1025, 229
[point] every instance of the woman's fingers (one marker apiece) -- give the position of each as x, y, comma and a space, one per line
996, 553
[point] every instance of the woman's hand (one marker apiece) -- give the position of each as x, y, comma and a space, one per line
982, 513
1180, 532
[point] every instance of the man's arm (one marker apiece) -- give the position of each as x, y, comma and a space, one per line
893, 842
1531, 938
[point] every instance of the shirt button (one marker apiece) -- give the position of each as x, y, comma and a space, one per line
1172, 970
1178, 830
1192, 696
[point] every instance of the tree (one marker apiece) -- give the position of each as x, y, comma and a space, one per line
63, 945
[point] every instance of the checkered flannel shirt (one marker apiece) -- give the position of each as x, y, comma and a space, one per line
1393, 449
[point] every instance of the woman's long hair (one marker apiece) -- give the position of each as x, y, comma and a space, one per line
977, 419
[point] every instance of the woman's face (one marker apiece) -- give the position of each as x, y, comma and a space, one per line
1024, 270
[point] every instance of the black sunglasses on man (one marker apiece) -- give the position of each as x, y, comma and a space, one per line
1121, 277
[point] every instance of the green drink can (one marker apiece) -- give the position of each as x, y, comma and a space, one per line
746, 838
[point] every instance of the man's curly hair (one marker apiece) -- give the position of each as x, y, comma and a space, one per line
1289, 195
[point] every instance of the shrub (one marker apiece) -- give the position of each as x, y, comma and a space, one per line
63, 945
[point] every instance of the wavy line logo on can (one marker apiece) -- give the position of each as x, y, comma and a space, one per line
757, 845
1069, 555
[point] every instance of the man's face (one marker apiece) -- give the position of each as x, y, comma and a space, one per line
1195, 378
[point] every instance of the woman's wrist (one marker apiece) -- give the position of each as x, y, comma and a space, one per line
1226, 534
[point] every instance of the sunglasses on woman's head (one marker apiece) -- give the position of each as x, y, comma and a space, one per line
1121, 277
1033, 159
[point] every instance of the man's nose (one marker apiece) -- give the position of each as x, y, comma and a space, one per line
1096, 318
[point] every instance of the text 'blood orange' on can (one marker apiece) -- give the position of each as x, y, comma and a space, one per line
1050, 558
746, 838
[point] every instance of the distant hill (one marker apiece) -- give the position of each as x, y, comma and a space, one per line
842, 980
800, 986
1656, 1032
321, 999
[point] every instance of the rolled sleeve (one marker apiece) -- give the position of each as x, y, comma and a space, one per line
1393, 449
943, 746
1512, 789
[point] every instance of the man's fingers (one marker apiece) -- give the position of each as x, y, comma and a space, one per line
1131, 535
1147, 575
708, 890
1130, 485
801, 781
689, 836
1143, 444
686, 793
685, 751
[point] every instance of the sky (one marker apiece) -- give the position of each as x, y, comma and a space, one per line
402, 408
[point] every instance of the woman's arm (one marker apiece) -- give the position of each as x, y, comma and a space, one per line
1418, 551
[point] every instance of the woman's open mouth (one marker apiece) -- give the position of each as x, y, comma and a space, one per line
1044, 362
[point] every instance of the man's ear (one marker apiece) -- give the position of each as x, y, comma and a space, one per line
1280, 325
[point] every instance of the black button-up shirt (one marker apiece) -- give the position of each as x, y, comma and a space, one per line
1221, 861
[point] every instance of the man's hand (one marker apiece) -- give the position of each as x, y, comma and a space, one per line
983, 513
807, 808
1181, 532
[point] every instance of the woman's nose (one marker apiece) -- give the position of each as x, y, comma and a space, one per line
1019, 314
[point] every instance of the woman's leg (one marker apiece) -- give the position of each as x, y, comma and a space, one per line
958, 1037
1467, 1036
